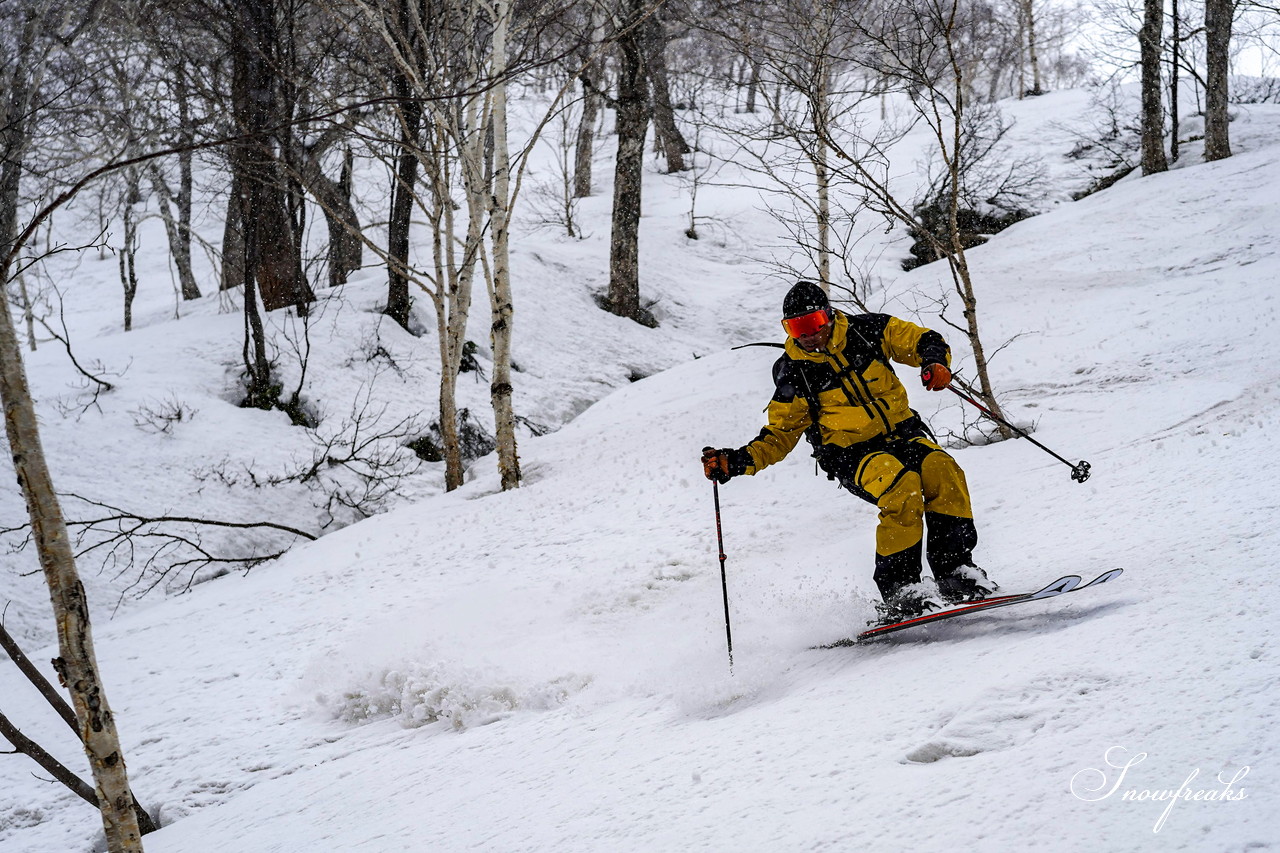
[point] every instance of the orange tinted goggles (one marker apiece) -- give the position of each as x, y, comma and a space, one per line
806, 324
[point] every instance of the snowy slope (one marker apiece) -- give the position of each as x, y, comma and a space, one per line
545, 669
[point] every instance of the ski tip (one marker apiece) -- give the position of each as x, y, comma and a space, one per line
1106, 576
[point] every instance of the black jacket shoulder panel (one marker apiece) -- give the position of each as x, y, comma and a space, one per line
784, 379
798, 378
869, 326
866, 335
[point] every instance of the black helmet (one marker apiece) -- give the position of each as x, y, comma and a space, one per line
804, 297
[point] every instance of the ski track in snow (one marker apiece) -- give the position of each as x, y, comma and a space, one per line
546, 669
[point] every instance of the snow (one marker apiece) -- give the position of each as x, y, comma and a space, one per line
546, 668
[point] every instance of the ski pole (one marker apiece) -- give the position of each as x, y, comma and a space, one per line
1079, 472
724, 582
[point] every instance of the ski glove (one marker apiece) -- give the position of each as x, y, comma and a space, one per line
721, 465
935, 377
715, 464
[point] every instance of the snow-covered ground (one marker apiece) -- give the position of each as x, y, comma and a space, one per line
545, 669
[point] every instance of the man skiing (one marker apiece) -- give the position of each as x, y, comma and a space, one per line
834, 385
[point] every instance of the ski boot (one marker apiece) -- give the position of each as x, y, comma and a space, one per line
965, 583
908, 602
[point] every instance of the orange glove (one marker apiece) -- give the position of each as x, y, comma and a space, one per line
715, 464
935, 377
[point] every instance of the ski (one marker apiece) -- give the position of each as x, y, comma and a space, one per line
1062, 586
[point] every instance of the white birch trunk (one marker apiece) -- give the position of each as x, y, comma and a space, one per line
822, 175
1033, 55
500, 295
76, 663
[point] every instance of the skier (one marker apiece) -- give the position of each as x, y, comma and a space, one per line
834, 385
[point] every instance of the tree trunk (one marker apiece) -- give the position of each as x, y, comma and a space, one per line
592, 77
271, 262
632, 124
956, 260
260, 390
1176, 46
128, 252
13, 136
1033, 55
753, 84
33, 750
274, 262
178, 234
1020, 79
1149, 43
186, 194
232, 274
585, 147
964, 286
346, 251
500, 389
76, 663
674, 147
1217, 26
409, 112
453, 298
28, 310
821, 172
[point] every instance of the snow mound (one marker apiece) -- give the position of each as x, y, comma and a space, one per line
1009, 717
419, 694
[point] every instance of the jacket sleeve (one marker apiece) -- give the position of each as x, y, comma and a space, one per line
914, 345
789, 417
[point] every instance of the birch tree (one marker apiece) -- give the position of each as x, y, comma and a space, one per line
920, 42
502, 311
76, 662
915, 46
802, 50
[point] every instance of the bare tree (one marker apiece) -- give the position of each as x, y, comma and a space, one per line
76, 663
592, 76
346, 249
653, 36
502, 311
632, 110
1029, 15
1218, 16
916, 46
175, 91
272, 266
1151, 46
804, 51
405, 31
430, 61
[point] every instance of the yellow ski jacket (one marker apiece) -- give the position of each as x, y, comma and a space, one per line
848, 391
